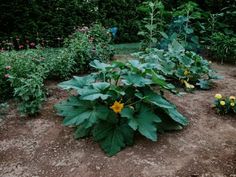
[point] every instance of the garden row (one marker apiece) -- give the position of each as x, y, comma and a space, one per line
23, 72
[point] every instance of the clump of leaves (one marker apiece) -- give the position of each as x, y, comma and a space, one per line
225, 105
223, 47
181, 31
153, 23
116, 102
87, 44
180, 66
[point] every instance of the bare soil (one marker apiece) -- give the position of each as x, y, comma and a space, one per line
42, 147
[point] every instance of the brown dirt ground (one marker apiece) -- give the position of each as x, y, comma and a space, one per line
42, 147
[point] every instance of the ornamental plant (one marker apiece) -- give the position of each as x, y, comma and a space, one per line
117, 101
225, 105
87, 44
180, 66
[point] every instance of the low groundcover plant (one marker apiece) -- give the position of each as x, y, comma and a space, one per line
114, 103
225, 105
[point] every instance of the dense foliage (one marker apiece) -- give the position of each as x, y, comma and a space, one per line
23, 72
180, 65
223, 47
117, 101
194, 27
50, 21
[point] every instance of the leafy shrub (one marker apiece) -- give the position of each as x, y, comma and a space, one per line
23, 73
87, 44
225, 105
181, 31
223, 47
180, 65
117, 101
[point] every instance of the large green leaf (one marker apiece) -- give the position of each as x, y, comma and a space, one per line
167, 67
77, 112
94, 91
144, 121
160, 81
99, 65
95, 96
112, 137
186, 61
82, 132
154, 98
159, 101
175, 47
136, 80
204, 84
176, 116
101, 86
77, 82
135, 64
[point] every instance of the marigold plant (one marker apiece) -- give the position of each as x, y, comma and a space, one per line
225, 105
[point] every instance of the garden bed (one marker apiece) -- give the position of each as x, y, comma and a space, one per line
41, 146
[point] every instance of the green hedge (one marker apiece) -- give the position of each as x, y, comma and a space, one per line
50, 21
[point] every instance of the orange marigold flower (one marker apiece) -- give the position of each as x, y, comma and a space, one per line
117, 107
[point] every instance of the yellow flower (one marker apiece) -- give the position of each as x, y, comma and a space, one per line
187, 85
186, 72
117, 107
232, 104
218, 96
232, 98
222, 103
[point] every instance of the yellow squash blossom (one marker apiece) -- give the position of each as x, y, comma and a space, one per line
117, 107
218, 96
187, 85
232, 104
186, 72
232, 98
222, 103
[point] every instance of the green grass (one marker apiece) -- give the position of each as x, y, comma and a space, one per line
127, 48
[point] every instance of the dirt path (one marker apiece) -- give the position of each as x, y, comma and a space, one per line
42, 147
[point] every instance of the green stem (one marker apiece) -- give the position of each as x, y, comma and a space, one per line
117, 80
137, 101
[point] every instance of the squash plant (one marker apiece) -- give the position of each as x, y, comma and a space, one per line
114, 103
180, 65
